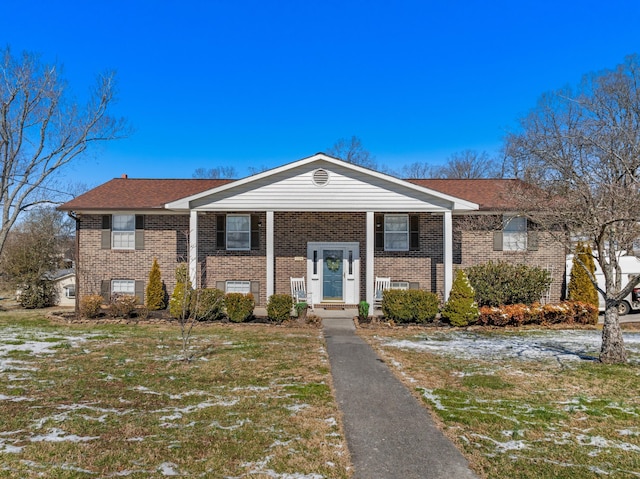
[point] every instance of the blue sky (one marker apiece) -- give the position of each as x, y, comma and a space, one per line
263, 83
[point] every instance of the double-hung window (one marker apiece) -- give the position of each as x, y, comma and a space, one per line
514, 233
124, 232
123, 286
396, 232
238, 232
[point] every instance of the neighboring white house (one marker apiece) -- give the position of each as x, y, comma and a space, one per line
65, 283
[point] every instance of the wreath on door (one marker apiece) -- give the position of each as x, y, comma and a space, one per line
333, 263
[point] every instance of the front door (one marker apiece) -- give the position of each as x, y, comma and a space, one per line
333, 272
332, 275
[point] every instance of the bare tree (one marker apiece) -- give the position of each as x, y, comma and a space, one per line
352, 151
467, 164
217, 172
42, 129
418, 170
582, 147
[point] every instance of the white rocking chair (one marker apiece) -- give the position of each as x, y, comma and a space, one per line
299, 292
381, 285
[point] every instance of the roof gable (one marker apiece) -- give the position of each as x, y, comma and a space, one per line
348, 187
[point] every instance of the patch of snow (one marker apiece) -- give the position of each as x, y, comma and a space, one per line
168, 469
331, 421
565, 345
296, 407
504, 446
145, 390
428, 394
58, 435
14, 398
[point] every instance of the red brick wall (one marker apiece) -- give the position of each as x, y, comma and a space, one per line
164, 238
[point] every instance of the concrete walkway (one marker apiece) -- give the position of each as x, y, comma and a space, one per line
389, 434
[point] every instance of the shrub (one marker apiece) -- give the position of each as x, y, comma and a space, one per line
180, 298
154, 297
239, 306
521, 314
91, 306
279, 307
363, 310
407, 306
207, 304
505, 283
38, 294
122, 305
580, 287
461, 308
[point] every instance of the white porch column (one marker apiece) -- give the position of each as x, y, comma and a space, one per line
193, 248
370, 248
270, 256
447, 253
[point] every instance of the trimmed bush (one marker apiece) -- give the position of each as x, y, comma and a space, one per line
279, 307
567, 312
207, 304
409, 306
180, 298
91, 306
154, 297
461, 308
503, 283
239, 306
122, 305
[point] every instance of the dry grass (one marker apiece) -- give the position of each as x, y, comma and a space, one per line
116, 401
522, 417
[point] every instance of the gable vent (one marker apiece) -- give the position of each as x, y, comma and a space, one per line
320, 177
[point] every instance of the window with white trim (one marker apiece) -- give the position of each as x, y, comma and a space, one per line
123, 286
243, 287
123, 232
70, 291
514, 233
396, 232
238, 232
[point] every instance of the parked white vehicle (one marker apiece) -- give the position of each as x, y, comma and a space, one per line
630, 268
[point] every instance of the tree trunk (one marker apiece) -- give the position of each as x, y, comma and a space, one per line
612, 351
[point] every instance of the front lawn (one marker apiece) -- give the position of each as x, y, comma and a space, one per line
116, 401
525, 404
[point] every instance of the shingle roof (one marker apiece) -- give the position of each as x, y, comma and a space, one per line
140, 194
489, 194
136, 194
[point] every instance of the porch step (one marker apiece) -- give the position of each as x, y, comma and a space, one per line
335, 306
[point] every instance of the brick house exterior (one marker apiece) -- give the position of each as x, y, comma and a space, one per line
336, 224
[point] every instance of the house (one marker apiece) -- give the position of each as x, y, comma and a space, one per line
334, 223
64, 281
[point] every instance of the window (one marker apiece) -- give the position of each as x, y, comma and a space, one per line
238, 232
243, 287
399, 285
514, 233
124, 286
124, 232
396, 232
70, 291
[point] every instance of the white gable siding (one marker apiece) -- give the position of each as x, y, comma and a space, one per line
346, 190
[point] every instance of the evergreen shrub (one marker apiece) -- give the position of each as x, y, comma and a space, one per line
363, 310
409, 306
504, 283
38, 294
566, 312
580, 287
155, 297
180, 298
207, 304
279, 307
239, 306
461, 308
